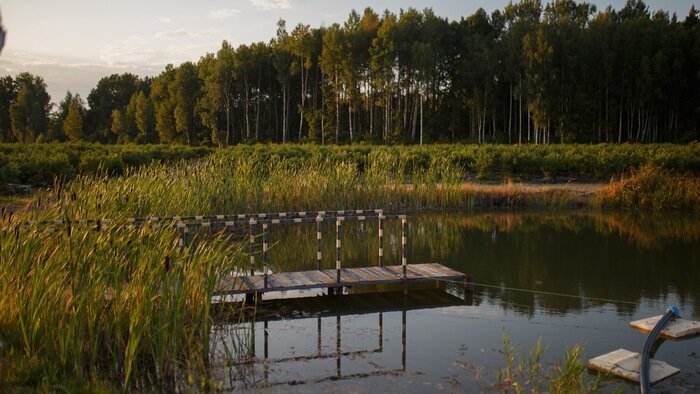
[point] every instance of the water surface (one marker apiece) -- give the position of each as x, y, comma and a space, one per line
566, 278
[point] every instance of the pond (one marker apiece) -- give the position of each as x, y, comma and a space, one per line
562, 278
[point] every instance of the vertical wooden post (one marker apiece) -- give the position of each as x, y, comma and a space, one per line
251, 234
319, 219
404, 252
338, 233
381, 240
264, 256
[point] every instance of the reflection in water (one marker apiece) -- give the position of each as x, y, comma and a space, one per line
622, 256
564, 277
254, 366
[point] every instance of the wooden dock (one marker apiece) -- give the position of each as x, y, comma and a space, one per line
331, 278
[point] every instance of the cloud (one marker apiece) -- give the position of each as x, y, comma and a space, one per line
273, 4
224, 13
65, 73
164, 19
183, 33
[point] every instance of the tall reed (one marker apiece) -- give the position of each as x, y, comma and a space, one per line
127, 306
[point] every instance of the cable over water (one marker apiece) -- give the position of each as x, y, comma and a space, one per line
542, 292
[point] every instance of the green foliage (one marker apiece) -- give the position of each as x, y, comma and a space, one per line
129, 307
534, 72
111, 93
29, 113
529, 375
40, 164
73, 124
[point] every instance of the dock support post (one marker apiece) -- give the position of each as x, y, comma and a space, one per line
468, 288
264, 256
338, 233
251, 234
381, 240
404, 252
319, 219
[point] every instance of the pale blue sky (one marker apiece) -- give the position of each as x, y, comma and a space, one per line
73, 43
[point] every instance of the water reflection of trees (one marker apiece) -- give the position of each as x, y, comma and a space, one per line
617, 256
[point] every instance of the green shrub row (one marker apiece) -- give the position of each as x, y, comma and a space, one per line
579, 161
39, 164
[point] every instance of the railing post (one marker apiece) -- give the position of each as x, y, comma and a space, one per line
404, 252
182, 227
338, 232
381, 240
264, 256
185, 236
319, 219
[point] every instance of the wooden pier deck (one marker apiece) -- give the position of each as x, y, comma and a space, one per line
331, 278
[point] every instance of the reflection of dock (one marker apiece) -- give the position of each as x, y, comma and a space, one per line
350, 304
344, 277
334, 307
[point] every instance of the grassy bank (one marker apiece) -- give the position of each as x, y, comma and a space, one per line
654, 188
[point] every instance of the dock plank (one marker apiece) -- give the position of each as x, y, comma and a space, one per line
283, 281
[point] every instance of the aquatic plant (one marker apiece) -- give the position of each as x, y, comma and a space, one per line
568, 375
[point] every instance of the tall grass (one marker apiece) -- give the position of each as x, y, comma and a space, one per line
527, 374
225, 183
125, 306
38, 164
653, 187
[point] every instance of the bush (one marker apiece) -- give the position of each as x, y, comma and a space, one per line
653, 187
40, 164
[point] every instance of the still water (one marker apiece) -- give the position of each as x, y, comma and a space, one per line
564, 278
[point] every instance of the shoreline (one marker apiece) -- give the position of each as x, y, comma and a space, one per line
471, 195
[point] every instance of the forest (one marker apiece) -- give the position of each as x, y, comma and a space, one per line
537, 73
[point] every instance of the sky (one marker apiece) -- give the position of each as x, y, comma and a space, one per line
74, 43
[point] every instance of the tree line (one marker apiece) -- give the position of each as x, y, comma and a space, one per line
530, 73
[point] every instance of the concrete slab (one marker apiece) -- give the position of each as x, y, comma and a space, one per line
625, 364
675, 329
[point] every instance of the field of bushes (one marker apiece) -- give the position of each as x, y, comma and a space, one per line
38, 164
597, 162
